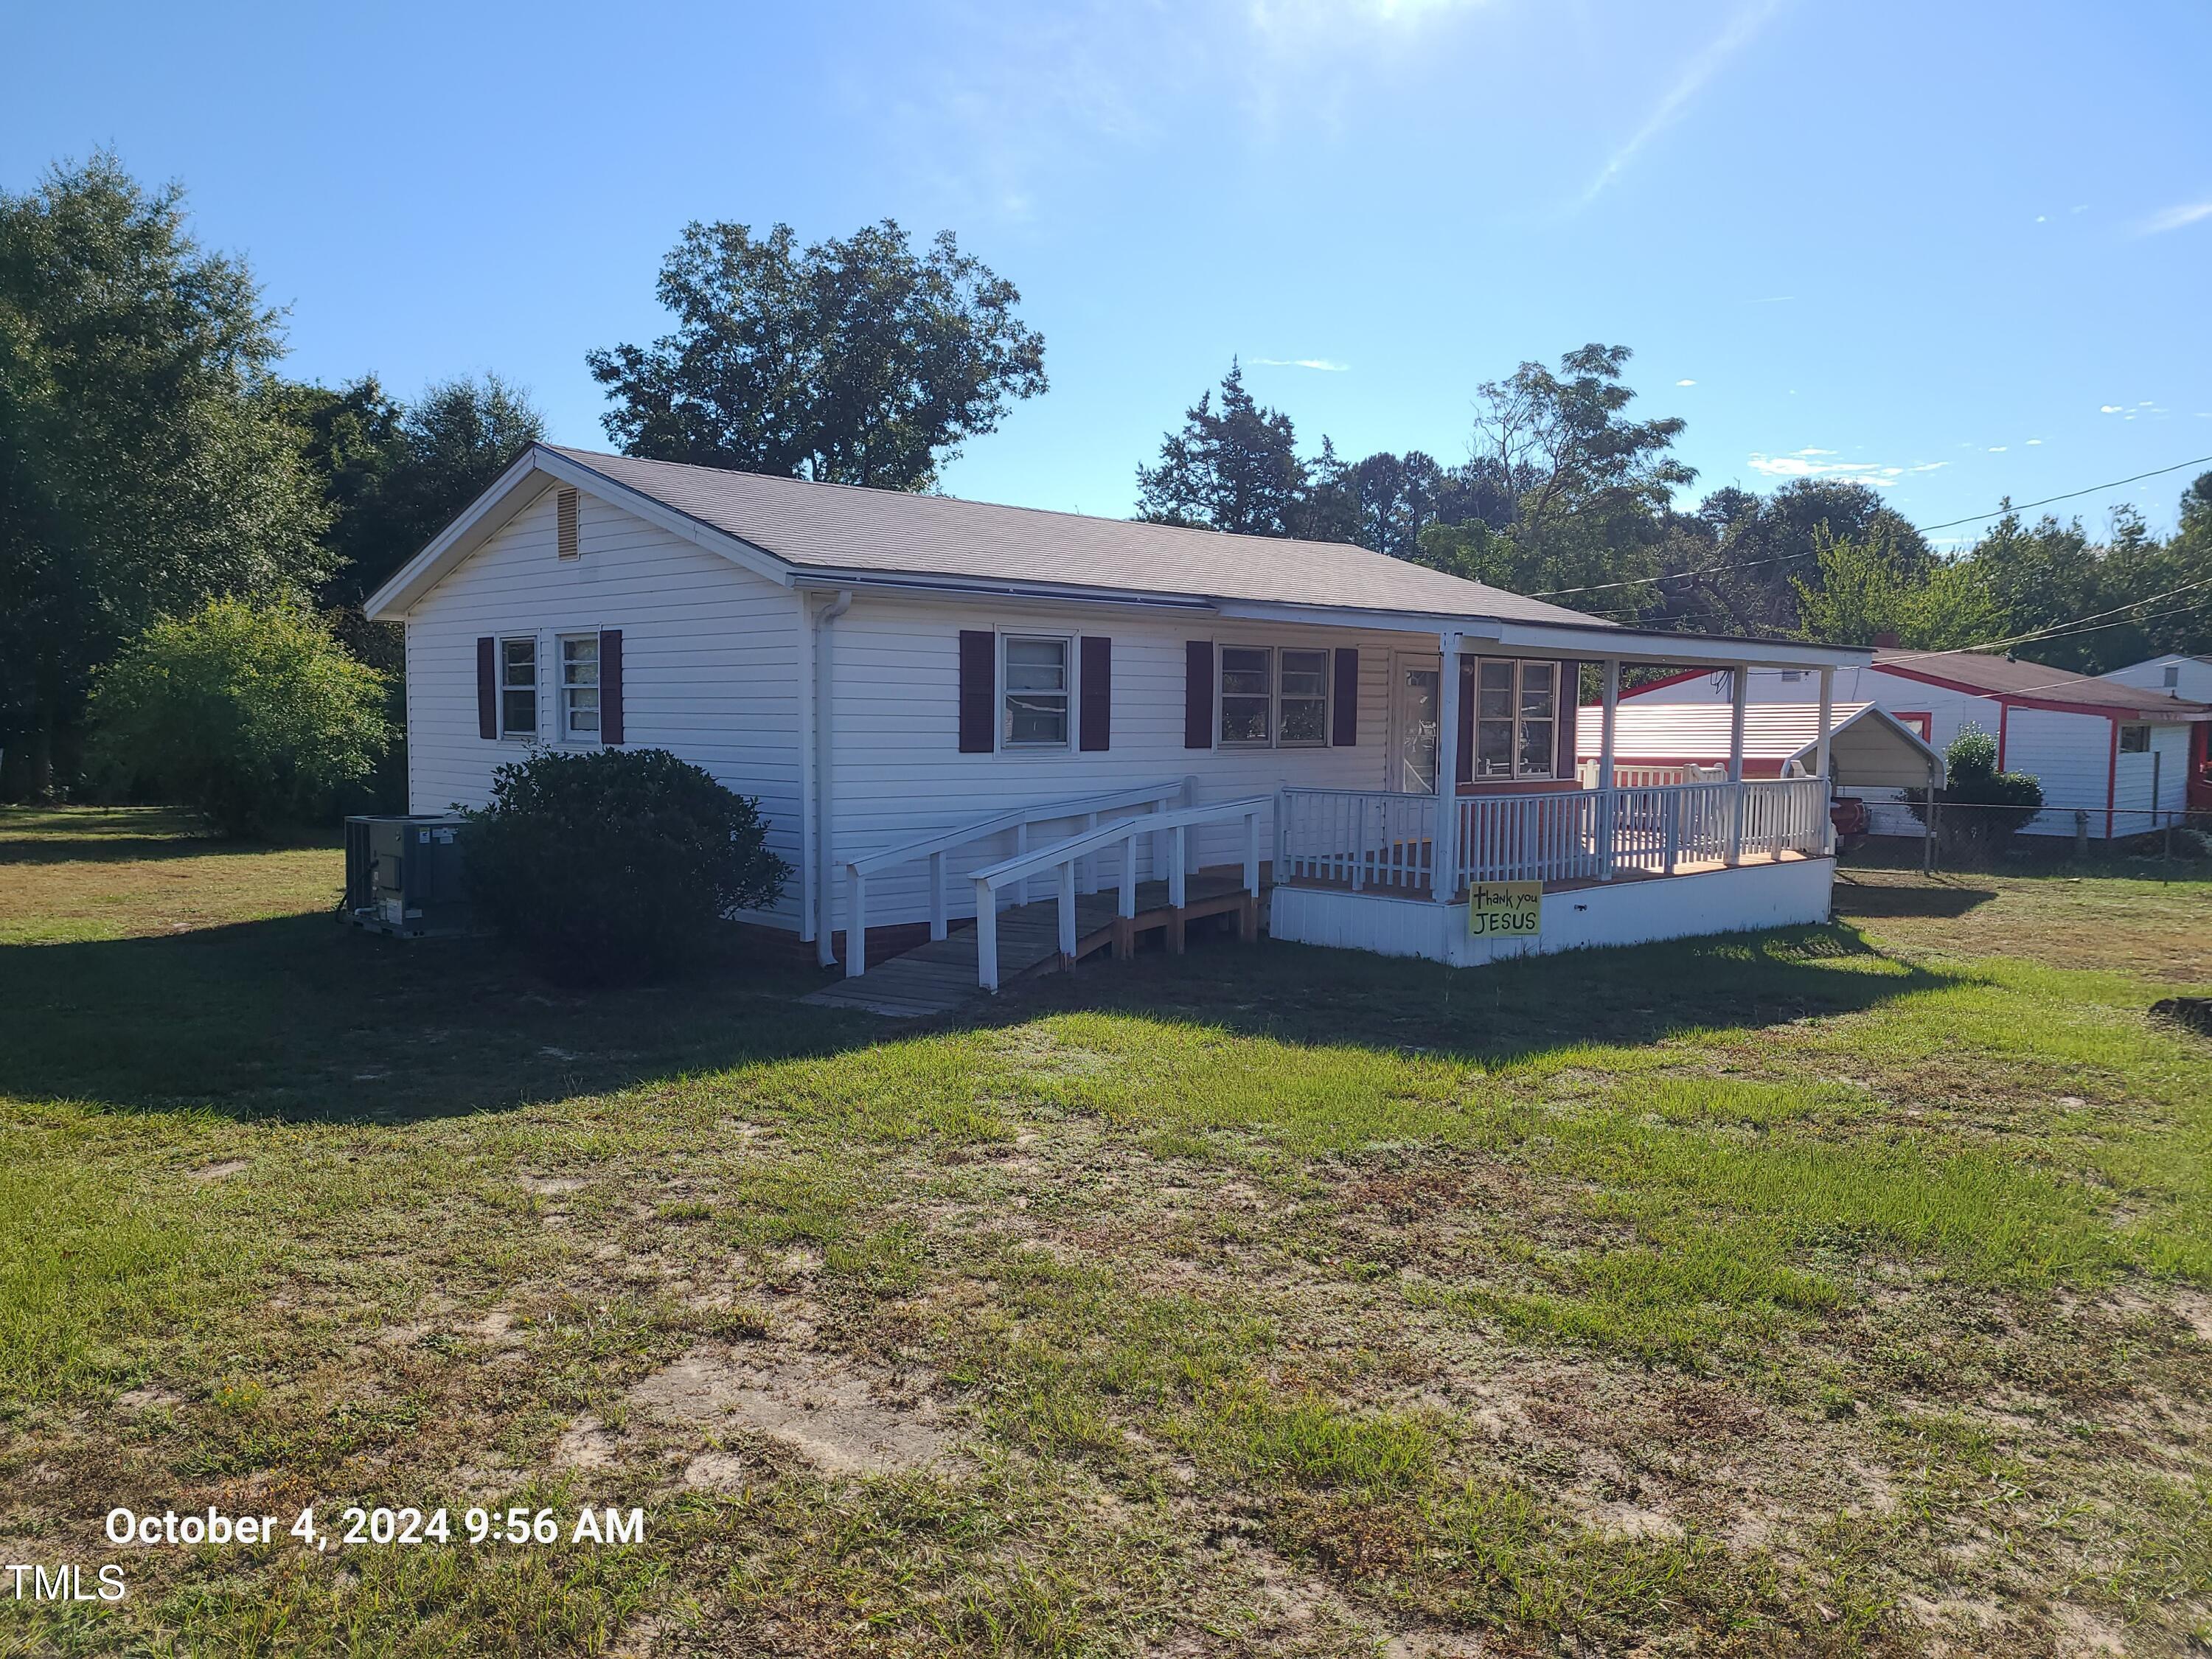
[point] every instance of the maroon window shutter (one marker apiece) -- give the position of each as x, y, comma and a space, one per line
1466, 684
1095, 730
979, 674
488, 688
1198, 694
1569, 695
611, 686
1343, 711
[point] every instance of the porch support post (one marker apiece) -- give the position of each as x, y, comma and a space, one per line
1444, 881
1827, 721
1740, 688
1827, 718
1606, 799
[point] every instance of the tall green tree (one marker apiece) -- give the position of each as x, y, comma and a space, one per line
395, 474
854, 361
1868, 589
1583, 485
147, 463
1233, 468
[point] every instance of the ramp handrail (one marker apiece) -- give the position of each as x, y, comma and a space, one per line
934, 846
1062, 856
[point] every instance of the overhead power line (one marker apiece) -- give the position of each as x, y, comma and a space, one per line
1949, 524
2022, 507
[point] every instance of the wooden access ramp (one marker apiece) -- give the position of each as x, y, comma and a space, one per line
938, 976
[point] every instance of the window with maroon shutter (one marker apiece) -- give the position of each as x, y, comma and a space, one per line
1344, 687
610, 685
1095, 723
979, 672
488, 688
1198, 694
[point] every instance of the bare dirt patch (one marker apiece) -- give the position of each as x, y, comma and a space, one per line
228, 1167
841, 1417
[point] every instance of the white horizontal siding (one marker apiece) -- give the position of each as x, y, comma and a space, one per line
900, 776
2192, 677
710, 660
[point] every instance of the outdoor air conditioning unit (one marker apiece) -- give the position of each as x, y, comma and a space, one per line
403, 874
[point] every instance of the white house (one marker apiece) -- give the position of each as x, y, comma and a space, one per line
2113, 760
2187, 679
920, 689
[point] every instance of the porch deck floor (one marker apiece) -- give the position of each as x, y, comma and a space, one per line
938, 976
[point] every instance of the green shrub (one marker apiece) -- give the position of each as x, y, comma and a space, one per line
1979, 810
615, 866
254, 717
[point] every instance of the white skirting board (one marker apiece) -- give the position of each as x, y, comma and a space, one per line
1737, 901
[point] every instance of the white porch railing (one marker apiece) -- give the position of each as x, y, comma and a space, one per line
1387, 843
1361, 837
1627, 776
1085, 810
1125, 833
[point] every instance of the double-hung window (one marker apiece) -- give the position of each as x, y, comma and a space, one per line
2135, 740
1515, 717
517, 688
580, 687
1271, 696
1035, 714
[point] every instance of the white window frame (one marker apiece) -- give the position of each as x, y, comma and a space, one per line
1007, 742
1518, 722
505, 687
1275, 739
2172, 679
563, 713
2142, 726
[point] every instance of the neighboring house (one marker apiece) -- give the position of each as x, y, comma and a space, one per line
919, 688
2113, 760
2189, 680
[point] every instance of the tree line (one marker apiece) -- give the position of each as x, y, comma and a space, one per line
155, 461
1563, 494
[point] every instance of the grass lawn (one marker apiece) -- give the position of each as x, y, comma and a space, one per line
1846, 1289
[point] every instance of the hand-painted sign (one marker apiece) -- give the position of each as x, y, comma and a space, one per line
1505, 909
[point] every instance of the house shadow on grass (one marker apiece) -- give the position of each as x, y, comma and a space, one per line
1939, 895
1500, 1014
305, 1019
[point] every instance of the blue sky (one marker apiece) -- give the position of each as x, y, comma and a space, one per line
1960, 251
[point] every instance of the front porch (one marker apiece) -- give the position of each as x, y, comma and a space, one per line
1392, 873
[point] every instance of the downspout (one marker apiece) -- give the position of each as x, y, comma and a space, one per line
825, 863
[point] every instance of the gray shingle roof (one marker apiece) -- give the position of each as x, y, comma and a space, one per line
838, 527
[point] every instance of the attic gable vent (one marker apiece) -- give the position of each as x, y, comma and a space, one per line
564, 514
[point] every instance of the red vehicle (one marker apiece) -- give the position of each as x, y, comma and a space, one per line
1849, 814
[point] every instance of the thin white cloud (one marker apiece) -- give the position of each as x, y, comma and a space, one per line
1321, 363
2111, 409
2032, 442
1685, 383
1999, 449
1741, 31
1811, 463
2173, 218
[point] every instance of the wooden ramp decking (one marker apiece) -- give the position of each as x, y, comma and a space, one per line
938, 976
